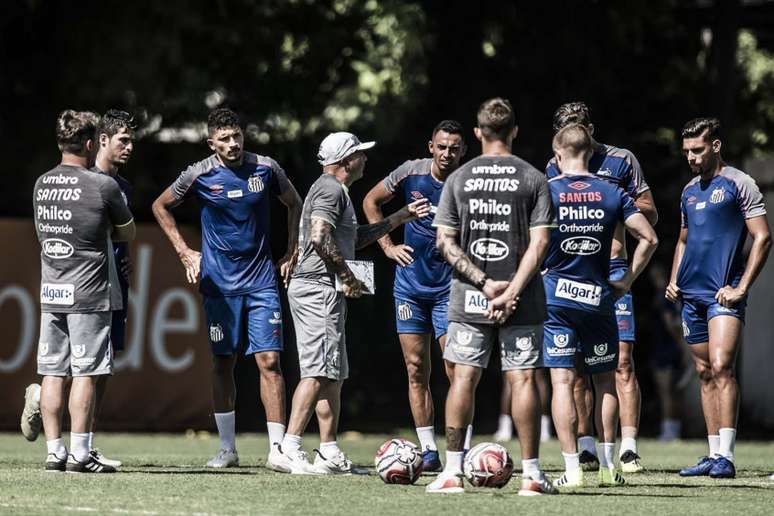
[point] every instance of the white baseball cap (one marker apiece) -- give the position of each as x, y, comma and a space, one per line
337, 146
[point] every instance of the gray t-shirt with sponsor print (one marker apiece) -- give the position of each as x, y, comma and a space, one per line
75, 211
327, 200
494, 201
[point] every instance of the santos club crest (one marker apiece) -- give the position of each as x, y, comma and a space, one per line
718, 194
255, 184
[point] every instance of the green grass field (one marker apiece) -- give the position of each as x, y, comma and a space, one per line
164, 474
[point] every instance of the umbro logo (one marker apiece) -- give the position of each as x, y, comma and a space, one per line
417, 195
579, 185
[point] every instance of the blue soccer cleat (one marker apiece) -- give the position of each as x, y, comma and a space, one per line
722, 468
701, 469
431, 461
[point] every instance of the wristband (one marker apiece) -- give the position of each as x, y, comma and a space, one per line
480, 284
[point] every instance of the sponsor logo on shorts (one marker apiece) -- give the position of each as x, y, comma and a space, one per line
276, 318
560, 347
622, 309
524, 343
725, 310
48, 360
82, 361
56, 248
43, 348
216, 333
604, 172
255, 184
686, 329
561, 340
463, 337
718, 194
701, 205
579, 185
581, 245
600, 349
57, 294
489, 249
79, 350
580, 292
475, 302
234, 194
404, 312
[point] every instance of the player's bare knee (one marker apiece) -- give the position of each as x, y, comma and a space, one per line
704, 370
722, 371
268, 364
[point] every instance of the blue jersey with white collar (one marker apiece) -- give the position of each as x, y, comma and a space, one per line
429, 275
578, 261
714, 213
236, 257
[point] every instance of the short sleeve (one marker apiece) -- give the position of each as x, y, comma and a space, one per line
328, 203
186, 179
628, 207
448, 214
683, 214
280, 182
749, 197
542, 214
118, 211
393, 181
635, 179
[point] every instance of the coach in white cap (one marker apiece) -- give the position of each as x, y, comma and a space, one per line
329, 235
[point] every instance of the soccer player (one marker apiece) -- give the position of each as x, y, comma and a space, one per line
620, 167
581, 321
493, 224
77, 214
238, 283
422, 276
115, 140
720, 207
330, 235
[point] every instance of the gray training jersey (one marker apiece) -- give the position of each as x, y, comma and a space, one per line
327, 200
75, 211
494, 201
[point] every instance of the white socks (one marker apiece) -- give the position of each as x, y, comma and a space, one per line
606, 453
714, 445
291, 443
468, 437
727, 442
226, 423
627, 443
530, 468
505, 427
453, 463
276, 433
545, 428
329, 449
587, 443
57, 447
426, 436
571, 461
79, 446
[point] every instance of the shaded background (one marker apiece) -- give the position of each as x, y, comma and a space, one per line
385, 70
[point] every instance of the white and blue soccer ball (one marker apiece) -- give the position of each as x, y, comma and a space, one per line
488, 465
398, 461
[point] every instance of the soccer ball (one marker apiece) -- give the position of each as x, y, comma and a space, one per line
488, 465
398, 461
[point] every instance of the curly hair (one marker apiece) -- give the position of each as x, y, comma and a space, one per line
571, 113
221, 118
74, 129
115, 120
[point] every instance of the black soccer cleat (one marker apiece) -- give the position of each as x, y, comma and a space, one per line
588, 461
54, 463
89, 465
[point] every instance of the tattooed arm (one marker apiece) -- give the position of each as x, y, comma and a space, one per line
370, 233
325, 245
446, 242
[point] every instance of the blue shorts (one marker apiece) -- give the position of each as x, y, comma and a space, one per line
624, 307
696, 315
422, 316
257, 314
593, 336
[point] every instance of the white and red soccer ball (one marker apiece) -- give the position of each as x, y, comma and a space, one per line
398, 461
488, 465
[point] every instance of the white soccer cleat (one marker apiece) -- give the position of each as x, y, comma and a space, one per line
293, 462
31, 420
536, 486
276, 461
337, 464
104, 460
446, 483
224, 459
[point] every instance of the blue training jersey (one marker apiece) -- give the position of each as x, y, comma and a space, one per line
236, 257
714, 214
578, 261
429, 275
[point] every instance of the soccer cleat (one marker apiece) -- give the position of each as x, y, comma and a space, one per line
90, 465
31, 420
431, 461
276, 460
104, 460
722, 468
502, 436
294, 462
54, 463
224, 459
531, 486
572, 479
701, 469
610, 477
337, 464
446, 483
588, 461
630, 462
